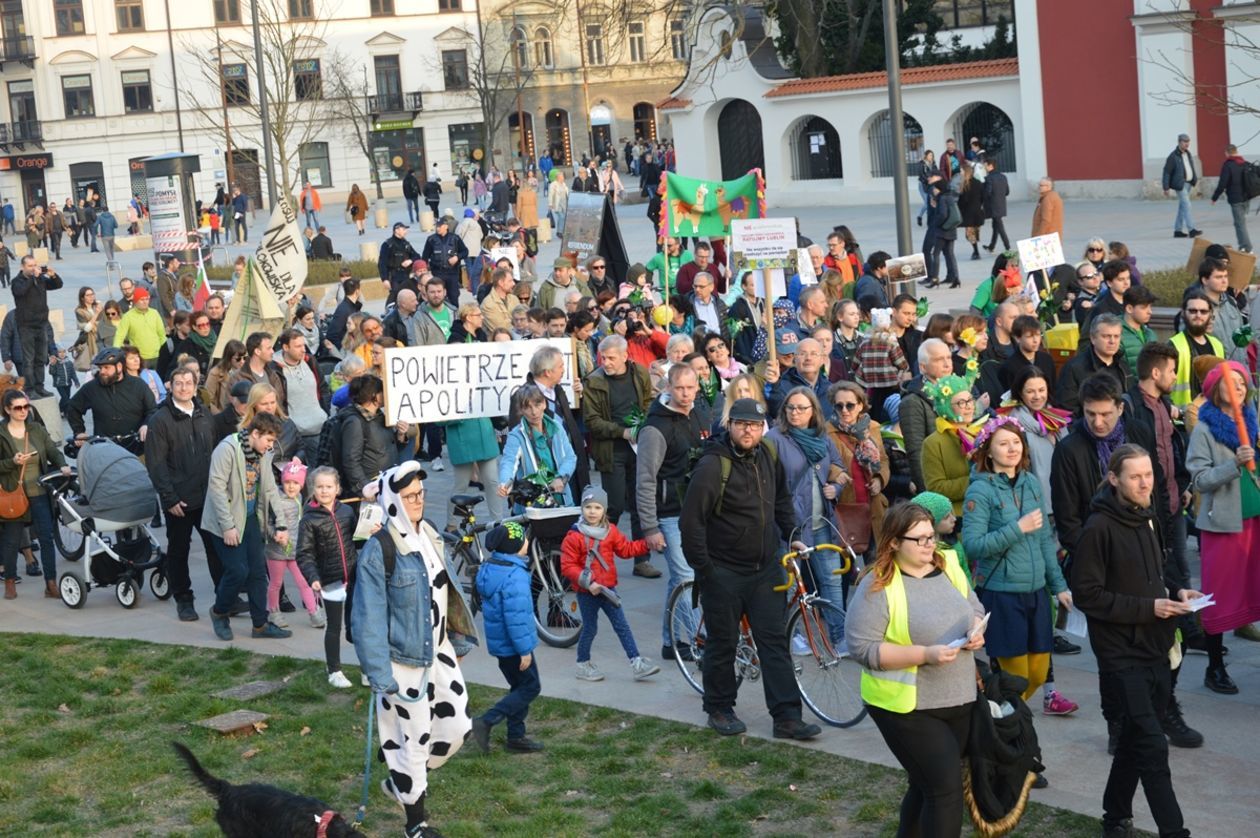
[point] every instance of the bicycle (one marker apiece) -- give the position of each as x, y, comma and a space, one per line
829, 682
467, 553
555, 599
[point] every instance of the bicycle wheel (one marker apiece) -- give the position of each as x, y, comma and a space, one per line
555, 602
686, 635
829, 681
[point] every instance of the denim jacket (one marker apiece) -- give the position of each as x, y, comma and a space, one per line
392, 619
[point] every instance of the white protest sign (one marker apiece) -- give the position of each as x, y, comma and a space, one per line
1040, 252
802, 259
763, 243
462, 380
280, 261
508, 253
778, 283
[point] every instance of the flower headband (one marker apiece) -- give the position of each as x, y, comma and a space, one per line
990, 427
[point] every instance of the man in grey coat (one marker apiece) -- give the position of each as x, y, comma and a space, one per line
1180, 176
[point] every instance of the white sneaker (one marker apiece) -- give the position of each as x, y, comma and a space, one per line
363, 679
588, 671
338, 680
437, 466
800, 647
642, 667
278, 618
318, 618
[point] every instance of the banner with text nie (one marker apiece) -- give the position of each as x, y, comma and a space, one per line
462, 380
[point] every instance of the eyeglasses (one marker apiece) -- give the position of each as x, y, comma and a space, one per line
592, 307
797, 408
238, 357
202, 326
1198, 311
1094, 250
598, 267
1087, 276
845, 407
922, 540
965, 402
19, 407
412, 497
111, 314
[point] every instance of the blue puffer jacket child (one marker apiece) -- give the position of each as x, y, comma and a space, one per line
1007, 559
503, 583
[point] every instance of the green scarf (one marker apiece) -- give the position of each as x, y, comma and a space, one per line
206, 341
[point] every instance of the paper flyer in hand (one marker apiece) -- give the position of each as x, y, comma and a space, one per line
370, 517
1201, 602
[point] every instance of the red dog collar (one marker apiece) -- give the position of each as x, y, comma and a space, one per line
321, 831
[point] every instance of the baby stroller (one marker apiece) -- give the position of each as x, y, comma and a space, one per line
103, 511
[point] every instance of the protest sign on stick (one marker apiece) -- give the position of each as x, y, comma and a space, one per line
464, 380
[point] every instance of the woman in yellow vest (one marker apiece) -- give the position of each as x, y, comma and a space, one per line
910, 609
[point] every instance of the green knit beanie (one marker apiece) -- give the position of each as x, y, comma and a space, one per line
937, 505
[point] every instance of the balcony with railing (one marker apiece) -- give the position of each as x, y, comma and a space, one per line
18, 49
21, 134
382, 103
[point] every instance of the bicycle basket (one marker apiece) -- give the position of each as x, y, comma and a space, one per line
550, 525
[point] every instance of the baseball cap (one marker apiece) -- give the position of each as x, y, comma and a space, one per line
748, 410
240, 391
398, 225
562, 262
785, 341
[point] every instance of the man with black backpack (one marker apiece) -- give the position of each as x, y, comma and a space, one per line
1239, 183
736, 512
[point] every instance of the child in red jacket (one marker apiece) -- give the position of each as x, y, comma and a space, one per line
587, 560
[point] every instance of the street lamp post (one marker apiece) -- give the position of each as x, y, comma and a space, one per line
901, 190
268, 156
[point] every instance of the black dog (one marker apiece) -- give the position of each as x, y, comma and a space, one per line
259, 811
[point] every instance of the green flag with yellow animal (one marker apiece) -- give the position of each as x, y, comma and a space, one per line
692, 207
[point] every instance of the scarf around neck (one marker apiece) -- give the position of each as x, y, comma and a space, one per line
1222, 426
811, 442
205, 342
1108, 444
965, 432
864, 451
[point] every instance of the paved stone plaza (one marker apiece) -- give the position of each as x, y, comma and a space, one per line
1208, 780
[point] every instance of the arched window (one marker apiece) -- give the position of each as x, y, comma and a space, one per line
815, 150
645, 121
880, 136
542, 48
520, 46
739, 139
993, 128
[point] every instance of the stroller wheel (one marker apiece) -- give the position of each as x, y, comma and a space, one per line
69, 543
159, 584
126, 592
72, 591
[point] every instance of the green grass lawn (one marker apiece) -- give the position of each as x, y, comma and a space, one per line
85, 727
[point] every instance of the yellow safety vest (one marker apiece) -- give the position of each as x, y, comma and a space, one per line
1181, 395
895, 690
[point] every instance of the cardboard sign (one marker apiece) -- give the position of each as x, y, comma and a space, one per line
1242, 266
280, 261
462, 380
777, 280
905, 269
759, 243
1040, 252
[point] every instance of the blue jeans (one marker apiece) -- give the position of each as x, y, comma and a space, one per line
474, 276
590, 606
312, 219
1240, 224
829, 586
11, 539
244, 569
679, 572
413, 209
1183, 221
558, 217
525, 687
924, 194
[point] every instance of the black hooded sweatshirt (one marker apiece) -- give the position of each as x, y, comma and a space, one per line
756, 512
1118, 572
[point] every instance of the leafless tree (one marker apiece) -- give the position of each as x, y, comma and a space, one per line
345, 97
293, 112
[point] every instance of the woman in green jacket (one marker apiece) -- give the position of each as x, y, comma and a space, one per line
945, 467
28, 451
1006, 533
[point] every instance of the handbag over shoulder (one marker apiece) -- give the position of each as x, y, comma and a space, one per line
13, 502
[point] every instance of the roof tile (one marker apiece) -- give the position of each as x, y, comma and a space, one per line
673, 103
909, 75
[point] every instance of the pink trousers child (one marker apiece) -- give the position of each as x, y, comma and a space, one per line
275, 575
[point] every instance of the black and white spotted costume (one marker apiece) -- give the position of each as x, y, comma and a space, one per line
425, 721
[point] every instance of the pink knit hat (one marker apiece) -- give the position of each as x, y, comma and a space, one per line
1213, 378
295, 471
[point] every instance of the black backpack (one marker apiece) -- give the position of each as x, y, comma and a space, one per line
330, 438
1251, 180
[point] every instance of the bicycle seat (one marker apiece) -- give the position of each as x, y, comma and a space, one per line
464, 503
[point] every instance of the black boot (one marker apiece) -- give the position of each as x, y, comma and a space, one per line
286, 607
1217, 680
1179, 734
975, 252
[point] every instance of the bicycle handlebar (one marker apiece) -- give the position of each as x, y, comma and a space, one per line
846, 564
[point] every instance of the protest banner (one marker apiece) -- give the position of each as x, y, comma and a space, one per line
462, 380
590, 229
1040, 252
693, 207
280, 261
759, 243
906, 269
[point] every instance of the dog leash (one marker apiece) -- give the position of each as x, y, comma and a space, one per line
367, 764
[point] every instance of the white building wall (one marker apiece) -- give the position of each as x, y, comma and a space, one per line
1165, 64
416, 33
1242, 68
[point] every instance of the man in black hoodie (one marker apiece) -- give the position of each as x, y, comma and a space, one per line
1118, 581
731, 530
